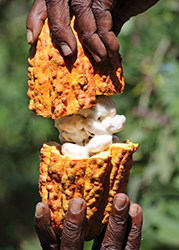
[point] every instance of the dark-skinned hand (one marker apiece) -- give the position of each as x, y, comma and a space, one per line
98, 22
123, 230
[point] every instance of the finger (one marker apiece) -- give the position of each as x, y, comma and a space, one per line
87, 29
117, 223
59, 22
35, 20
134, 237
101, 10
47, 236
73, 229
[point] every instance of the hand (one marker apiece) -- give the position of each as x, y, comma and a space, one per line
98, 22
123, 230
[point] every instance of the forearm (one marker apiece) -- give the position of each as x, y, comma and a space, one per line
126, 9
129, 8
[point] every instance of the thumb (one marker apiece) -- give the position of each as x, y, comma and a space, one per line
46, 235
35, 19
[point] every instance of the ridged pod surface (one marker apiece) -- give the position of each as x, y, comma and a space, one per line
58, 87
96, 179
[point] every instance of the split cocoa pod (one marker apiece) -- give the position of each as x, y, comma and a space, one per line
59, 87
96, 179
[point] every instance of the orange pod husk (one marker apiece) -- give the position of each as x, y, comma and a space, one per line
96, 179
61, 86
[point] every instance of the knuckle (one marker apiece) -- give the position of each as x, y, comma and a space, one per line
103, 4
101, 9
109, 246
116, 223
98, 7
98, 11
85, 37
114, 229
132, 246
135, 232
57, 31
71, 230
134, 238
79, 6
102, 32
51, 2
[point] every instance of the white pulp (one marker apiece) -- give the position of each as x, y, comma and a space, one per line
90, 130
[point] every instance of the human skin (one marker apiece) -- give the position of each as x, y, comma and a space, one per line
123, 230
98, 22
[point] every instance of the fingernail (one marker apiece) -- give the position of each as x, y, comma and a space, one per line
29, 36
76, 206
96, 58
65, 49
120, 203
134, 210
38, 211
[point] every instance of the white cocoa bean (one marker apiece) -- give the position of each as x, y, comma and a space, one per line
74, 150
99, 143
69, 123
71, 137
94, 127
105, 106
114, 124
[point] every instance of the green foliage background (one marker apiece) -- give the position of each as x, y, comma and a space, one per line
150, 51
